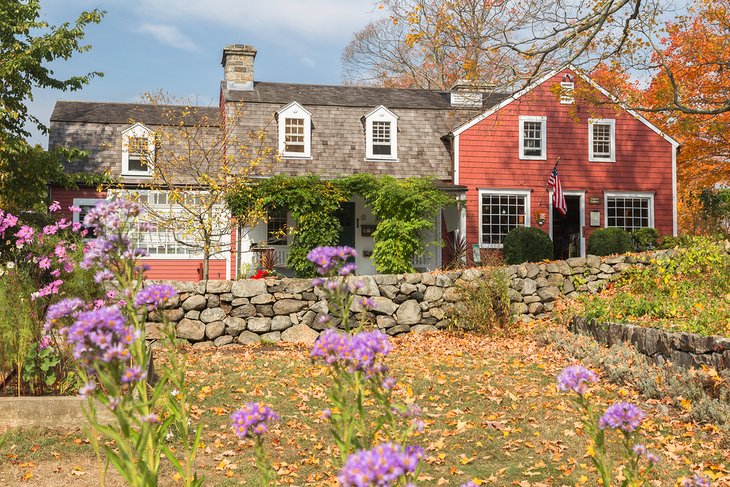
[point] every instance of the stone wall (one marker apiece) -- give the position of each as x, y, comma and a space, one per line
223, 312
683, 349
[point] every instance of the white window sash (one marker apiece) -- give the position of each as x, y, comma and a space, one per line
612, 139
543, 137
524, 193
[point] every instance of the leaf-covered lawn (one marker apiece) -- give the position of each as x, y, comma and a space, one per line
491, 409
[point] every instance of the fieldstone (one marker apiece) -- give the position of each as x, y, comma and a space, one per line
294, 317
247, 337
470, 274
182, 286
239, 301
272, 336
514, 296
531, 299
279, 323
541, 282
619, 259
593, 261
384, 305
234, 325
227, 297
308, 318
518, 308
265, 310
428, 279
199, 345
409, 313
299, 334
223, 340
535, 308
214, 330
212, 314
320, 307
259, 325
195, 302
193, 315
288, 306
437, 313
296, 286
389, 291
384, 321
576, 262
621, 267
248, 288
214, 301
418, 296
423, 329
219, 287
278, 295
442, 280
154, 331
263, 299
521, 271
175, 314
398, 329
386, 279
604, 276
532, 270
564, 268
433, 294
307, 296
595, 286
369, 286
549, 293
555, 279
400, 299
408, 288
552, 268
606, 269
244, 311
528, 287
190, 330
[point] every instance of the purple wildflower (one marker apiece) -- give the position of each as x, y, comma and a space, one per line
151, 418
640, 449
87, 389
388, 383
368, 303
358, 353
622, 415
651, 458
63, 308
470, 483
154, 296
575, 378
133, 374
252, 418
326, 414
330, 258
101, 334
330, 346
384, 465
44, 342
697, 480
103, 275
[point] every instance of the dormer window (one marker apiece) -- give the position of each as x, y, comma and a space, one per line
567, 86
295, 131
381, 135
138, 151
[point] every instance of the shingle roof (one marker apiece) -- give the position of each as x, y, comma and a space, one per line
350, 96
122, 113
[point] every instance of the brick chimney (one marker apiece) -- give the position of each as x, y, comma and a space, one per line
238, 66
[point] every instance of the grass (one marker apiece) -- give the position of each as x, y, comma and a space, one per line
490, 406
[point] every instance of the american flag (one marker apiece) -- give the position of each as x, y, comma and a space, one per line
558, 196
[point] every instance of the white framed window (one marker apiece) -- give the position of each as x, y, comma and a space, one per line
295, 131
629, 210
381, 135
138, 151
85, 204
601, 140
501, 210
533, 139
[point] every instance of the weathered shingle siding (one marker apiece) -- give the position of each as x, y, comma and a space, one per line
103, 142
338, 139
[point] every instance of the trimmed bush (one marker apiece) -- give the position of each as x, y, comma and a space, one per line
645, 239
607, 241
527, 244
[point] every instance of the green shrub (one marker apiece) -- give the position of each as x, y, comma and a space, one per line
527, 244
484, 305
645, 239
607, 241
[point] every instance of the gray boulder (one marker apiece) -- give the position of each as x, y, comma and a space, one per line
299, 334
190, 329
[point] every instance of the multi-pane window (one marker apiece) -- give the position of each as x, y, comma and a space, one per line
629, 212
294, 135
85, 205
601, 140
381, 138
276, 227
139, 154
500, 213
532, 137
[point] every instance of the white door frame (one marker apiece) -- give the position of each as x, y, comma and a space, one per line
582, 220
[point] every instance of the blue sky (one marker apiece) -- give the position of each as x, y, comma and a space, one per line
176, 45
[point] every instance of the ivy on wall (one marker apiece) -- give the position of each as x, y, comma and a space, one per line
404, 208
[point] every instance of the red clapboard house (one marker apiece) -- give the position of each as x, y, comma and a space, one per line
616, 169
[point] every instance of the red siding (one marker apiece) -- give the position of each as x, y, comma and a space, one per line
489, 158
172, 269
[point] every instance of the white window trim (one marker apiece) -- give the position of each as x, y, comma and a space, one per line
567, 96
137, 130
381, 114
543, 134
295, 110
627, 194
79, 202
509, 192
603, 121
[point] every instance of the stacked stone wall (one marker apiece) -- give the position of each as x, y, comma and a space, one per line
218, 313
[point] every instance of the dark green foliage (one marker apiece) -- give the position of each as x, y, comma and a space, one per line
645, 239
527, 244
607, 241
715, 210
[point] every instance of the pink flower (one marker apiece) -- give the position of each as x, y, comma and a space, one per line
52, 288
76, 227
56, 272
55, 206
63, 223
44, 263
50, 229
24, 235
60, 250
74, 209
68, 266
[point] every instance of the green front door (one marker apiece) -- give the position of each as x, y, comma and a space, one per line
346, 216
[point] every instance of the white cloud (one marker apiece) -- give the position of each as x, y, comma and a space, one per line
324, 19
170, 36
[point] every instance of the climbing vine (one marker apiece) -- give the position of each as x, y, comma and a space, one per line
405, 208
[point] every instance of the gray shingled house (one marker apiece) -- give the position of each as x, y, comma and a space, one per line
330, 131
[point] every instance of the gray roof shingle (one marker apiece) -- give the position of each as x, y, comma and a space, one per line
122, 113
